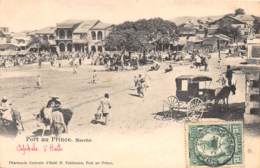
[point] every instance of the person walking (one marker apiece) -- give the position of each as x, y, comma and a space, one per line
105, 108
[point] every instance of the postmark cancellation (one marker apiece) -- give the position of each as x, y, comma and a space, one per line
214, 144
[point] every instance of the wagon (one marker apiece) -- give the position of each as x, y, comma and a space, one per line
192, 98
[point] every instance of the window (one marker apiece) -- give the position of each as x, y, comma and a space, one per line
204, 84
62, 47
51, 37
100, 36
93, 35
93, 48
69, 34
62, 34
184, 85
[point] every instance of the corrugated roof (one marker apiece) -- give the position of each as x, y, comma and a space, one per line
68, 23
102, 25
85, 26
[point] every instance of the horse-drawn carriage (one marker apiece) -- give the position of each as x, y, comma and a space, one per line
193, 98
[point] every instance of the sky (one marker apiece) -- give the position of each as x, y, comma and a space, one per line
20, 15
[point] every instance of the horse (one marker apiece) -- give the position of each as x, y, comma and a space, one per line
44, 117
224, 93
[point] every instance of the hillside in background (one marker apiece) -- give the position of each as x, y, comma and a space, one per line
185, 19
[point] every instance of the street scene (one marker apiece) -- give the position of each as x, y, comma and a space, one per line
78, 93
89, 77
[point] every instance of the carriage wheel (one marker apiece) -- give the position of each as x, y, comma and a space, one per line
173, 107
195, 109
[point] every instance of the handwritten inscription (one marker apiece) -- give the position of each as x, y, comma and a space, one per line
29, 148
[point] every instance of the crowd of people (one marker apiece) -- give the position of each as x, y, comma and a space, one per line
52, 114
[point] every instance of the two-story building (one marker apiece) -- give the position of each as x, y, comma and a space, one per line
82, 35
64, 31
98, 34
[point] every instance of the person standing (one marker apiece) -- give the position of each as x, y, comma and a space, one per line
105, 108
80, 61
39, 82
6, 109
58, 125
94, 76
140, 86
229, 75
75, 69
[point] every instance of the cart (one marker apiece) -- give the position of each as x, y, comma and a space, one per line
192, 99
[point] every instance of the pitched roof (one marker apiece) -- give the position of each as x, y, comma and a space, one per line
68, 23
223, 36
244, 18
85, 26
227, 16
218, 37
46, 30
102, 25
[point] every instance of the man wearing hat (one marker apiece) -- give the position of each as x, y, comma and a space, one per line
53, 102
5, 109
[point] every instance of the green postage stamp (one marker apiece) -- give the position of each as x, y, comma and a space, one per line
214, 144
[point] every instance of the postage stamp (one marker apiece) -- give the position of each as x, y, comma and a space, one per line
214, 144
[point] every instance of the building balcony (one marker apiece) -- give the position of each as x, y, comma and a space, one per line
63, 38
79, 40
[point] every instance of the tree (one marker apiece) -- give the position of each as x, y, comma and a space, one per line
137, 36
239, 11
256, 25
38, 43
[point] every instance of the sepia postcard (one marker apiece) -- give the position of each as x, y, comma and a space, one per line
129, 84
